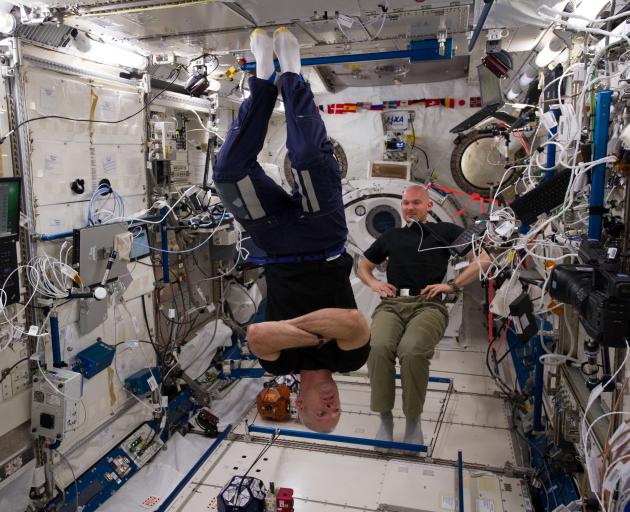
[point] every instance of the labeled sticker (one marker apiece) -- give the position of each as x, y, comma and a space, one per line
516, 323
53, 164
151, 501
107, 105
152, 383
54, 400
524, 321
109, 164
47, 99
485, 505
448, 502
33, 330
55, 225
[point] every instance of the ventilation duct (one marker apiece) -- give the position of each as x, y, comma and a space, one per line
54, 36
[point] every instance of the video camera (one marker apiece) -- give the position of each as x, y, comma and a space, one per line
599, 292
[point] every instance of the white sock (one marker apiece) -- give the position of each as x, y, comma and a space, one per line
287, 49
386, 429
413, 431
262, 48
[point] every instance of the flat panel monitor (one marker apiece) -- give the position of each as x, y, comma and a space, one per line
140, 246
490, 86
10, 207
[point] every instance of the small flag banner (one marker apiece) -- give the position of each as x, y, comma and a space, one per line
348, 108
471, 197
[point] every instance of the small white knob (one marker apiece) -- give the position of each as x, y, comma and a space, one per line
100, 293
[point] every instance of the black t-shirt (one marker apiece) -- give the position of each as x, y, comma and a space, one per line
329, 357
295, 289
409, 266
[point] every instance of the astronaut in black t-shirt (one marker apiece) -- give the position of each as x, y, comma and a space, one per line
411, 318
312, 325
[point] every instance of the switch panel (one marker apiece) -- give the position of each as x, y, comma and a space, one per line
55, 407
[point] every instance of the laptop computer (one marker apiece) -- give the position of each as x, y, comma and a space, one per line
9, 234
491, 101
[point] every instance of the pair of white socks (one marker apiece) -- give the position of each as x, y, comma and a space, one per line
284, 44
413, 429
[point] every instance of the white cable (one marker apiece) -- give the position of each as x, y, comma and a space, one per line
341, 28
242, 254
611, 467
157, 204
192, 248
140, 400
203, 127
102, 215
573, 15
591, 425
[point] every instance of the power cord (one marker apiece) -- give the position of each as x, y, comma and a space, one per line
27, 121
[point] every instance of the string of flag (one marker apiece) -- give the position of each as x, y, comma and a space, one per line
471, 197
348, 108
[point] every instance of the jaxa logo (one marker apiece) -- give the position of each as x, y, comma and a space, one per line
395, 121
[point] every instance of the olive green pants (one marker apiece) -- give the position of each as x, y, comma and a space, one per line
408, 328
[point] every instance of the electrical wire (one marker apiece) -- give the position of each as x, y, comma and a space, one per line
8, 371
27, 121
76, 485
273, 439
192, 248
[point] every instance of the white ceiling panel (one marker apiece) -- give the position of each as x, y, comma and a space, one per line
168, 21
282, 11
220, 41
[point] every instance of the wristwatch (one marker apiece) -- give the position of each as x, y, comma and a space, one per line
320, 340
456, 288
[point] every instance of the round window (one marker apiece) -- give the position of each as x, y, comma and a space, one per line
381, 219
338, 153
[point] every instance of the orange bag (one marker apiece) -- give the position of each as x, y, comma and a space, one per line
273, 402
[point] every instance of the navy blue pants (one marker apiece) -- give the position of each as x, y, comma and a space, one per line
310, 222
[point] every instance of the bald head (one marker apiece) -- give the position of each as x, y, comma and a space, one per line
415, 203
416, 190
318, 403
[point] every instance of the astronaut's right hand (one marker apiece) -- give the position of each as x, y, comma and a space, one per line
384, 289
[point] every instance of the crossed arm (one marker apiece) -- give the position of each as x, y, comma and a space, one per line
468, 275
347, 326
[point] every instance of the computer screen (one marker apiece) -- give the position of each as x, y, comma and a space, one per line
490, 86
140, 246
10, 207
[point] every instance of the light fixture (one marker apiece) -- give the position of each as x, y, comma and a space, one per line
528, 76
214, 85
107, 53
8, 23
576, 15
514, 91
587, 9
80, 41
441, 36
552, 49
118, 56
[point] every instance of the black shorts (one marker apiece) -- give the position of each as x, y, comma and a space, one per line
294, 289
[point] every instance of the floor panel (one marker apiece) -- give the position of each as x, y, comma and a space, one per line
328, 481
472, 418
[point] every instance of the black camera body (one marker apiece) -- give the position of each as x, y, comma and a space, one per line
197, 83
599, 292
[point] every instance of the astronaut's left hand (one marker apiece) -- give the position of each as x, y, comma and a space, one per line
433, 290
